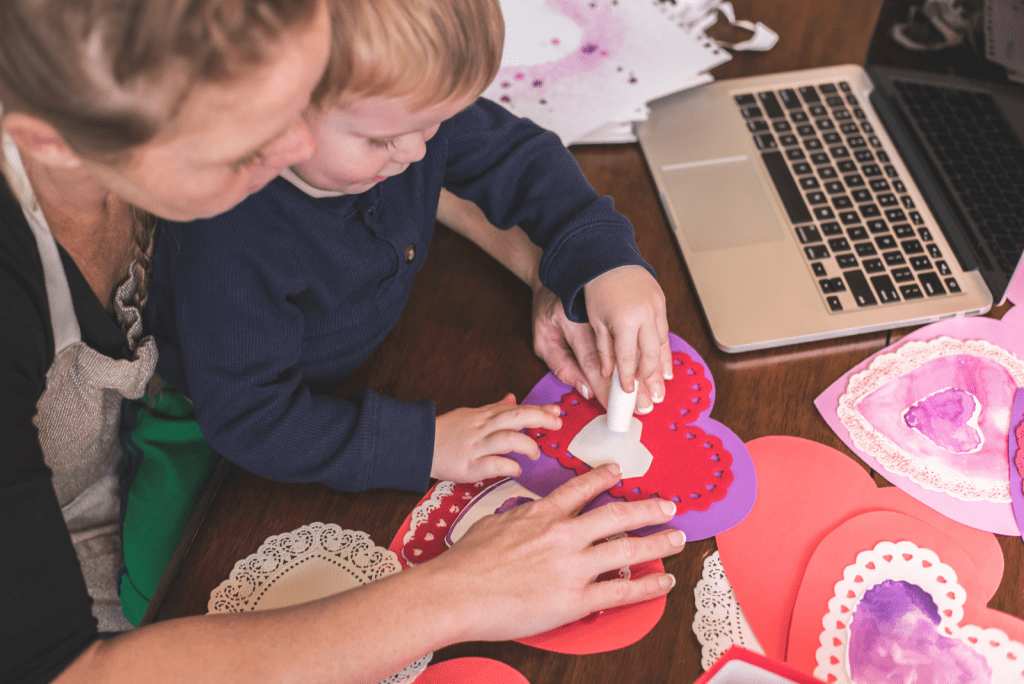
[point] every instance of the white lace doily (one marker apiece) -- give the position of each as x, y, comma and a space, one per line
719, 622
889, 366
907, 562
309, 563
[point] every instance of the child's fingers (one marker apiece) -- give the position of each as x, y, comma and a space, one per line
649, 344
524, 416
505, 441
496, 466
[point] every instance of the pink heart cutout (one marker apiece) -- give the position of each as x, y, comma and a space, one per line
840, 548
805, 490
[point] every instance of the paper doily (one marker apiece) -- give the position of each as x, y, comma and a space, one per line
719, 622
309, 563
921, 567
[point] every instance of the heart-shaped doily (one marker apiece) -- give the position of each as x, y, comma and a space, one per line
931, 413
449, 509
698, 462
887, 597
806, 490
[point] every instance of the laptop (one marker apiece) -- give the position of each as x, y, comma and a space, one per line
829, 202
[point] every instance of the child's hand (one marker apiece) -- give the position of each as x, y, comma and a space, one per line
626, 308
467, 440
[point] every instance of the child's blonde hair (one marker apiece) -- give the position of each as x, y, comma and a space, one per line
428, 51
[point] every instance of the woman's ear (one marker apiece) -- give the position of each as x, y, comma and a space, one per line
39, 140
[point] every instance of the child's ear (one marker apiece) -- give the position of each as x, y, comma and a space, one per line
39, 140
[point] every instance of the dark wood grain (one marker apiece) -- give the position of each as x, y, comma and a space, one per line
464, 340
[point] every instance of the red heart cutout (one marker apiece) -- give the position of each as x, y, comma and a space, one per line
471, 671
840, 550
690, 466
805, 490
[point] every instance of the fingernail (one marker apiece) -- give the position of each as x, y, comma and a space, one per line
616, 470
667, 375
643, 411
657, 397
667, 581
585, 391
667, 507
676, 538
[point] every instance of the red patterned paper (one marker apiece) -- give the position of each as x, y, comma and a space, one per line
690, 467
426, 537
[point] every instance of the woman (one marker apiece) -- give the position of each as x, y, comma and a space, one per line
115, 111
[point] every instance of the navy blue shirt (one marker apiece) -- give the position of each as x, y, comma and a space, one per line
260, 312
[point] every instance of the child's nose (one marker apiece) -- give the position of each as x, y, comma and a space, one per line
296, 145
409, 148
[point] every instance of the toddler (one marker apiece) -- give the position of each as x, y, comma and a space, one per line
259, 313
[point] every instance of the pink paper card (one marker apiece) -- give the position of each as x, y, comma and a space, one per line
698, 462
806, 490
931, 414
887, 597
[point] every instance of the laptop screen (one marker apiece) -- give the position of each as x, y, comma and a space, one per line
976, 39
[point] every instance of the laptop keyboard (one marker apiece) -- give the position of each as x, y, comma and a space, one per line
859, 228
981, 156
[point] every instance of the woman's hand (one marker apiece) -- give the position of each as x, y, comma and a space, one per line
468, 441
533, 568
571, 352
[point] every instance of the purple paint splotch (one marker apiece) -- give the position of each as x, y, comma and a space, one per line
949, 418
513, 502
894, 639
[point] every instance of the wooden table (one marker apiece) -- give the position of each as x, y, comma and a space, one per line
464, 340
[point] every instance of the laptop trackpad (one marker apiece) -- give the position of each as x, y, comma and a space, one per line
720, 204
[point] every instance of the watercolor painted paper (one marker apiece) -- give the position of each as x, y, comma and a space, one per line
698, 462
931, 414
806, 490
1015, 454
887, 597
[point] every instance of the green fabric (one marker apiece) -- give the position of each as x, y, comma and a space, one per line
166, 463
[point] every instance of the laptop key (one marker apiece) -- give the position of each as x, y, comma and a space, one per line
765, 141
895, 215
902, 275
849, 217
781, 126
887, 199
834, 304
853, 181
873, 265
869, 211
859, 288
787, 188
751, 112
771, 104
952, 285
842, 202
907, 202
865, 249
912, 247
831, 228
871, 170
934, 251
894, 258
899, 187
807, 234
943, 268
886, 290
839, 152
816, 252
827, 172
835, 101
863, 156
886, 242
820, 158
835, 187
839, 244
911, 291
846, 261
795, 154
819, 269
841, 114
932, 284
802, 168
861, 195
816, 197
789, 98
788, 140
824, 213
745, 99
818, 111
879, 184
799, 116
847, 166
809, 183
916, 219
877, 226
857, 233
920, 263
903, 230
757, 125
812, 144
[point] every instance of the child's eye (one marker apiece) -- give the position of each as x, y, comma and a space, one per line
379, 142
248, 161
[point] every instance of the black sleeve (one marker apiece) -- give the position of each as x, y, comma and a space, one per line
45, 611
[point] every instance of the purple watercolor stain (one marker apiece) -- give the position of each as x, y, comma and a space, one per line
894, 638
537, 83
506, 98
949, 419
589, 49
513, 502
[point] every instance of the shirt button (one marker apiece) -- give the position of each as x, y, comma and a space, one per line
410, 253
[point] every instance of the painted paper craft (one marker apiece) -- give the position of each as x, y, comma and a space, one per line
698, 462
573, 66
1016, 458
471, 671
931, 414
889, 598
448, 510
806, 490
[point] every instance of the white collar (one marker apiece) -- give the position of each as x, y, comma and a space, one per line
305, 187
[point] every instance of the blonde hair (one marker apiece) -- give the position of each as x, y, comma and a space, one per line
90, 68
429, 51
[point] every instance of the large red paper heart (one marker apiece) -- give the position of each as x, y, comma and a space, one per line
422, 537
846, 564
471, 671
690, 466
805, 490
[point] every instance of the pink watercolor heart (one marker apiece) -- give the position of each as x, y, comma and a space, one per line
948, 418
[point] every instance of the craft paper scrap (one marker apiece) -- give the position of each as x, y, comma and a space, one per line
1016, 459
573, 66
806, 490
445, 513
698, 463
887, 597
931, 413
471, 671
